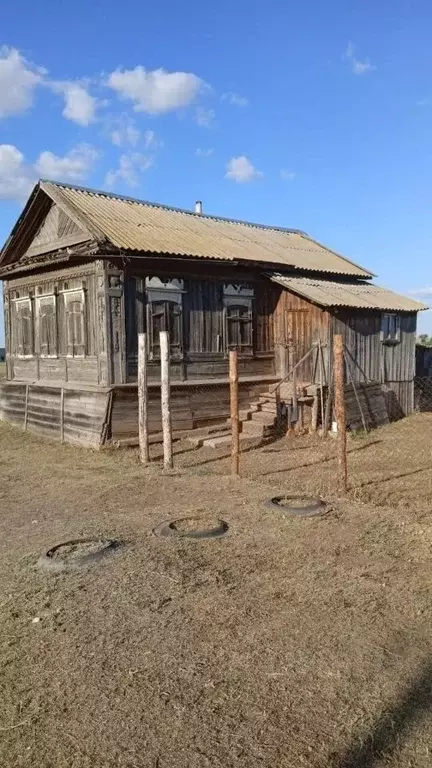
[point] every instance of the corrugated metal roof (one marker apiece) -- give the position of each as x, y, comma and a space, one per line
360, 295
140, 226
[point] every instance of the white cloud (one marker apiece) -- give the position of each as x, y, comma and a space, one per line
125, 131
130, 166
80, 105
287, 175
155, 91
74, 166
241, 170
204, 152
204, 117
18, 79
151, 140
16, 178
235, 99
357, 66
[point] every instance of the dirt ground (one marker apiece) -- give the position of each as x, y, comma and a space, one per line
288, 642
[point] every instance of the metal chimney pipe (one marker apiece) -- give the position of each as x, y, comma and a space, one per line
198, 206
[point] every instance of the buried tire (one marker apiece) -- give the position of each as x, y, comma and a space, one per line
77, 553
192, 528
300, 506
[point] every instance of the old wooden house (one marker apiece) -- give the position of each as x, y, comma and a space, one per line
85, 271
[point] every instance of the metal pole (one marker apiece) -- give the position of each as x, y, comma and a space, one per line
233, 377
143, 400
340, 410
165, 399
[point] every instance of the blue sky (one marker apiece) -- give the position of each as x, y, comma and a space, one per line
315, 116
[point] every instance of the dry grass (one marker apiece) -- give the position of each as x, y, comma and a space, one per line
286, 643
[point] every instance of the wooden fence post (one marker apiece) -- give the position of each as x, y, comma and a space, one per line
233, 377
143, 400
165, 399
340, 410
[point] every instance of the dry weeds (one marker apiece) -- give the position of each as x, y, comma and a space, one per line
286, 643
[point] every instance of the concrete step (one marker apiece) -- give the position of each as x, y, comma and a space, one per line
245, 440
268, 408
263, 418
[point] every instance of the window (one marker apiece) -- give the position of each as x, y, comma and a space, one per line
46, 325
165, 315
238, 314
390, 328
75, 323
22, 328
239, 327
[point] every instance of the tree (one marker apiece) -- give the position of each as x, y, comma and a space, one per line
424, 340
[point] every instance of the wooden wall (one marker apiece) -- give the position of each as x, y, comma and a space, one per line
78, 414
371, 360
91, 368
298, 324
204, 356
192, 406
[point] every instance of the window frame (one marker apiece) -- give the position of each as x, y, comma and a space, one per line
18, 328
168, 293
67, 294
386, 336
238, 297
38, 300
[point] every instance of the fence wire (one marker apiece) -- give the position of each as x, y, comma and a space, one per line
423, 393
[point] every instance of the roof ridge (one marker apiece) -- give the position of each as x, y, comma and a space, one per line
175, 209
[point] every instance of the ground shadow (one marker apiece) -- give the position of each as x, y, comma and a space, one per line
320, 461
392, 727
392, 477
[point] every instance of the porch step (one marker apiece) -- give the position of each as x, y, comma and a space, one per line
250, 437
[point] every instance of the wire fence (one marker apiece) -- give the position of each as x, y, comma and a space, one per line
423, 393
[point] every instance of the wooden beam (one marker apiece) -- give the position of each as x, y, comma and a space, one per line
338, 349
143, 399
165, 399
235, 444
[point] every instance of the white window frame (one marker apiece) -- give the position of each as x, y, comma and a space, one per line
67, 297
24, 300
38, 299
391, 339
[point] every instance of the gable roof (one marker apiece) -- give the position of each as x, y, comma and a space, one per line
139, 226
359, 295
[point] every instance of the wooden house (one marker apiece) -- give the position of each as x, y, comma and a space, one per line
85, 271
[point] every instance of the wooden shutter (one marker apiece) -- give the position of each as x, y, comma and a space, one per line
75, 323
47, 324
24, 327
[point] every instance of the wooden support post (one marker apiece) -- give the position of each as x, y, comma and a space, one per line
143, 400
62, 415
165, 399
233, 377
26, 406
340, 410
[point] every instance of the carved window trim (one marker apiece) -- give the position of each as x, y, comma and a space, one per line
40, 301
18, 328
75, 330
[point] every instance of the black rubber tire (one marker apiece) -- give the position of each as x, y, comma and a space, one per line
48, 561
316, 507
167, 529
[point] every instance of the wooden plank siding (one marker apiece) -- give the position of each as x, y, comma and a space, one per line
60, 367
298, 325
192, 406
393, 365
204, 349
83, 411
